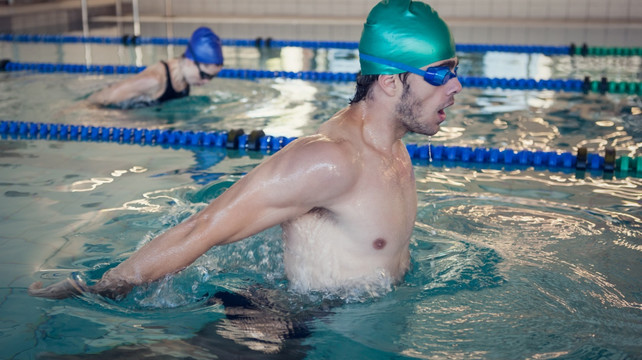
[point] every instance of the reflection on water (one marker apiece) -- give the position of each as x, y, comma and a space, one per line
537, 259
506, 263
94, 183
493, 253
568, 250
532, 225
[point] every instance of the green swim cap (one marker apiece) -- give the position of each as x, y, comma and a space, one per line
405, 31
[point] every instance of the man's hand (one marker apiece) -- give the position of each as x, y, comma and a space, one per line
72, 286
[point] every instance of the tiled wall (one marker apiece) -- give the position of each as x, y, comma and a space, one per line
554, 22
530, 9
49, 16
340, 8
546, 9
540, 22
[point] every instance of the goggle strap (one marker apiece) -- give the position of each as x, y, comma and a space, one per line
395, 64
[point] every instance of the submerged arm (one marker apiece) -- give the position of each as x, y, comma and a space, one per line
308, 173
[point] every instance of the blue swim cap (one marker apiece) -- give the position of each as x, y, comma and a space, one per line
405, 31
205, 47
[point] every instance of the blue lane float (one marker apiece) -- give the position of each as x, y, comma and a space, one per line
257, 140
567, 85
10, 66
263, 42
234, 139
134, 40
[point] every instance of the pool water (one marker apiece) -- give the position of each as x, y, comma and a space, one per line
506, 263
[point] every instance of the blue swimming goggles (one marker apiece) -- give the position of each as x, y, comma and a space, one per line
436, 76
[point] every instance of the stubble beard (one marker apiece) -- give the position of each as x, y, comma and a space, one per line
407, 112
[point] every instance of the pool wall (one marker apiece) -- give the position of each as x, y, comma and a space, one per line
597, 22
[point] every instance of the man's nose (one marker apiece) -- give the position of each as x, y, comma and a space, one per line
454, 86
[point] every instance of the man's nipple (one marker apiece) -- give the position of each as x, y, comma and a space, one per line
379, 244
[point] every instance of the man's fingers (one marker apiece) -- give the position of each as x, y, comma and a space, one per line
35, 287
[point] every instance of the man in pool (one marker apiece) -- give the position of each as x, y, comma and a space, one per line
201, 62
345, 197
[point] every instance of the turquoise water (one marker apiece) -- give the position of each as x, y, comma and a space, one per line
506, 264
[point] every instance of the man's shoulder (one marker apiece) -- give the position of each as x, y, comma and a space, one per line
314, 168
321, 148
318, 157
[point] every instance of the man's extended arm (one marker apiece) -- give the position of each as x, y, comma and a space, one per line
311, 172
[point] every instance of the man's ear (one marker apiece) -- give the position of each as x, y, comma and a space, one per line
389, 84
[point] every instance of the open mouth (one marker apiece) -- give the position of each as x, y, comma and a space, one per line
442, 115
442, 112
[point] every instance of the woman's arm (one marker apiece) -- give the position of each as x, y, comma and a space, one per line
145, 84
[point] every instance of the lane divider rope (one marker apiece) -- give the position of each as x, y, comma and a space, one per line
572, 50
257, 140
587, 85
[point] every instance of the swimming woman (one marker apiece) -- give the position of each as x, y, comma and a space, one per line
167, 80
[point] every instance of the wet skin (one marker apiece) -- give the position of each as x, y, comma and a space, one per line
148, 85
345, 198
